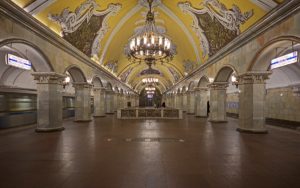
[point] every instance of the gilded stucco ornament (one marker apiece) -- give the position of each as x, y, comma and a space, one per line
112, 66
217, 17
76, 27
174, 73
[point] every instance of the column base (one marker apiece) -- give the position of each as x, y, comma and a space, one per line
83, 120
44, 130
110, 113
217, 121
201, 116
191, 113
100, 116
252, 131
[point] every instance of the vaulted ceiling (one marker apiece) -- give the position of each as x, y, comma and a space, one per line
101, 29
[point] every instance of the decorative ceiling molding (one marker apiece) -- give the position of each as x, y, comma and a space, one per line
38, 6
117, 28
170, 13
267, 5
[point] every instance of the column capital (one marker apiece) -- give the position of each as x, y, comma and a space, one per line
99, 89
218, 85
82, 85
254, 77
48, 77
200, 88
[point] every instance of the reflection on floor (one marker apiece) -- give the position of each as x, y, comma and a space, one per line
149, 153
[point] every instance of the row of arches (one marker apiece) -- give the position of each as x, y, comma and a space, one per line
52, 86
252, 90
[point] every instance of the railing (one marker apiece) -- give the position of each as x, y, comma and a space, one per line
149, 113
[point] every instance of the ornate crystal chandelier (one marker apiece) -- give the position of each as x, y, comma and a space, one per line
150, 45
150, 80
150, 89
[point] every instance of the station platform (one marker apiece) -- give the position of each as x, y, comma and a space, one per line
186, 153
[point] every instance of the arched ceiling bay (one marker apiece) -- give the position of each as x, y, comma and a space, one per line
102, 28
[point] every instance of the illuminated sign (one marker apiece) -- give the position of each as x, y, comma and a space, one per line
18, 62
284, 60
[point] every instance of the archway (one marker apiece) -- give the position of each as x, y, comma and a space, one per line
109, 98
99, 97
202, 97
218, 94
279, 87
83, 102
150, 97
191, 98
26, 63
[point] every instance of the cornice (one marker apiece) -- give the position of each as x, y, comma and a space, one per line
274, 17
12, 11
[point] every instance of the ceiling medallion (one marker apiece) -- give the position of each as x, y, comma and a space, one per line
150, 45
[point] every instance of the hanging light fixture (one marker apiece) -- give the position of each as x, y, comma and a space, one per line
150, 89
150, 45
150, 80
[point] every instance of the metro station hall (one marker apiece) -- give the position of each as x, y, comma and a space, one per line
149, 93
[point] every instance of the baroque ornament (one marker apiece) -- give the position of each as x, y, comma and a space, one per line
230, 19
175, 74
112, 66
70, 22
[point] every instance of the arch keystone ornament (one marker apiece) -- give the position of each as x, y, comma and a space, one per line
252, 96
49, 99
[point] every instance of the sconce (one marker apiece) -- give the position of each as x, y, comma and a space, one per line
66, 81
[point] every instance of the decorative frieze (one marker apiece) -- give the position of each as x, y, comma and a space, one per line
48, 78
254, 78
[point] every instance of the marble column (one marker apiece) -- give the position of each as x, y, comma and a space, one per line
184, 102
49, 101
173, 101
99, 102
137, 103
109, 101
177, 101
191, 102
201, 101
127, 101
252, 96
82, 101
116, 101
218, 102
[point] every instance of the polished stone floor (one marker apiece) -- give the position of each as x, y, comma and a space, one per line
189, 153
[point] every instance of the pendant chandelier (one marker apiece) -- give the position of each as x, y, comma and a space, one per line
150, 89
150, 45
150, 80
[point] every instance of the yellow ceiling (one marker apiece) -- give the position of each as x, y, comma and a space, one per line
121, 27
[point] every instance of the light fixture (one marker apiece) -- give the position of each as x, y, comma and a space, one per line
66, 81
150, 89
150, 80
150, 45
